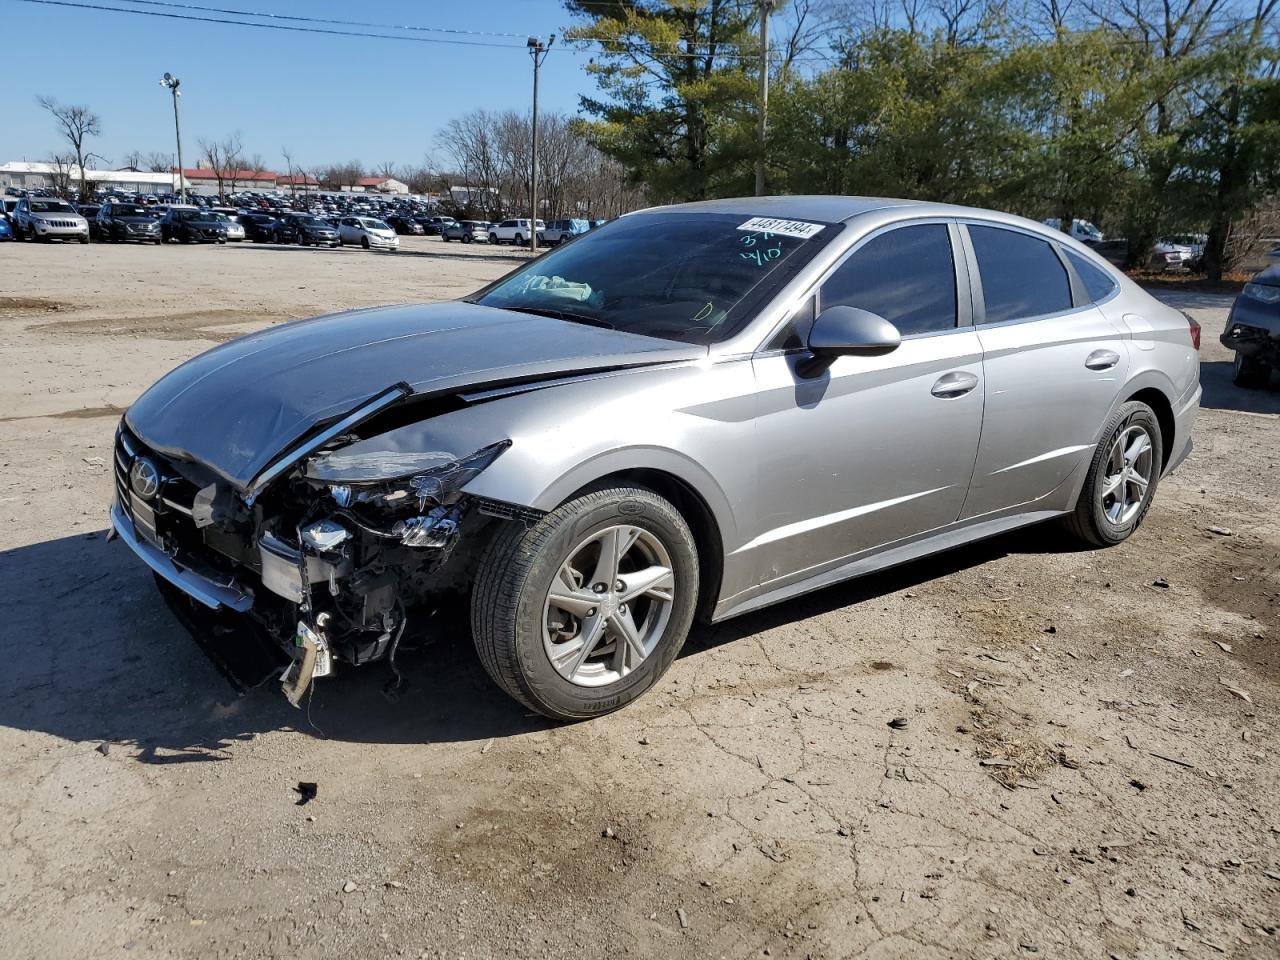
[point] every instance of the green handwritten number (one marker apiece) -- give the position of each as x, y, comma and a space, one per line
759, 256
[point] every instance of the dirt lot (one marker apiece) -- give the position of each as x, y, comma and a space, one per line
1088, 767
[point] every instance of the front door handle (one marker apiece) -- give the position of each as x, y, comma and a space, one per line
1102, 360
955, 384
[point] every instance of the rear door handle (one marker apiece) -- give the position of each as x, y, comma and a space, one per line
955, 384
1102, 360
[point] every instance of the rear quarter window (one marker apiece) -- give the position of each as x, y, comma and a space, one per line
1097, 282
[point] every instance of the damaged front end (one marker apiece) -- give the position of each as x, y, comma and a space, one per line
331, 554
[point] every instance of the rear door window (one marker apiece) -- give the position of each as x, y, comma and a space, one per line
906, 275
1022, 276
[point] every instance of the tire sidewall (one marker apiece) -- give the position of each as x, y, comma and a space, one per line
1134, 413
544, 683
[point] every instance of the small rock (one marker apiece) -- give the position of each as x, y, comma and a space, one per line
684, 917
350, 887
1160, 582
643, 741
1220, 531
898, 723
395, 884
608, 833
103, 748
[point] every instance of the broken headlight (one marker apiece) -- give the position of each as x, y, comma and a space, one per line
400, 480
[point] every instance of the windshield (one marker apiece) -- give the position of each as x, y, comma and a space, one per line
375, 225
128, 210
50, 206
676, 276
311, 221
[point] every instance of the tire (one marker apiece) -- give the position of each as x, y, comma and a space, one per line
1095, 519
518, 241
493, 239
1249, 372
467, 238
509, 602
364, 242
302, 241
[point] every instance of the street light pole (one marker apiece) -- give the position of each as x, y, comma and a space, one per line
762, 112
538, 51
172, 82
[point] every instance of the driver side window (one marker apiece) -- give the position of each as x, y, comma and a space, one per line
906, 275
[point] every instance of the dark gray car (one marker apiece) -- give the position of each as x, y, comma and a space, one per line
1253, 330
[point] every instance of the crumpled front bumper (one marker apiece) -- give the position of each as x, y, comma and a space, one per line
1253, 328
211, 593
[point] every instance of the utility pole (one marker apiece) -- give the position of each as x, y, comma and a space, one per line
538, 51
762, 113
172, 82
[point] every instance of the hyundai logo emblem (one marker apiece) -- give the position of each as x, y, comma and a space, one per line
144, 478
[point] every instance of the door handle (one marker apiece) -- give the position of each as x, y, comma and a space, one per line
955, 384
1102, 360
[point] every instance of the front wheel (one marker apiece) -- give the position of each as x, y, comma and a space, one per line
1122, 477
582, 613
1249, 372
364, 242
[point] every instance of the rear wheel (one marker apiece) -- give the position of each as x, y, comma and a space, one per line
1122, 477
1249, 372
582, 613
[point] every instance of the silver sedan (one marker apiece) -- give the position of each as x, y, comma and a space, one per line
689, 413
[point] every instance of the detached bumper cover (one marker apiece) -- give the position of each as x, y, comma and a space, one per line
213, 595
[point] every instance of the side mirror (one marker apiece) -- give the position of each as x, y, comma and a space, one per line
844, 331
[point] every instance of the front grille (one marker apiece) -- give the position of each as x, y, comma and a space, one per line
62, 223
166, 517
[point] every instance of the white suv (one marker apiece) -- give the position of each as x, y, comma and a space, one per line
513, 231
48, 218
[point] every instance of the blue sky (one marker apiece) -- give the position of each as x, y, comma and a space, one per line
327, 98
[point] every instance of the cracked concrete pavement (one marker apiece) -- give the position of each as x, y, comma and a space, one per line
1078, 774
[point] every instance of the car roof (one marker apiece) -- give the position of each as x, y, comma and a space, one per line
834, 209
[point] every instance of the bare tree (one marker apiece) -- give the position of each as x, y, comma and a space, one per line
292, 171
224, 159
131, 160
77, 124
158, 162
63, 164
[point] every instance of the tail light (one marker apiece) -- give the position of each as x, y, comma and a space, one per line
1195, 331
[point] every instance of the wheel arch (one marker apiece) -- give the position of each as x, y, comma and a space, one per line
1162, 406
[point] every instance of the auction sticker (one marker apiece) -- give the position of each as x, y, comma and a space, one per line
787, 228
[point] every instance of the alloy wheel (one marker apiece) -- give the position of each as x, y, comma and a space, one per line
1128, 474
608, 606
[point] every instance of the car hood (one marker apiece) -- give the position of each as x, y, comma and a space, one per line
238, 406
1269, 276
131, 219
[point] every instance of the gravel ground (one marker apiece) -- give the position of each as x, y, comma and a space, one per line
1084, 763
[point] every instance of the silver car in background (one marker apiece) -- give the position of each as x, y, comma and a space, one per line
368, 233
689, 413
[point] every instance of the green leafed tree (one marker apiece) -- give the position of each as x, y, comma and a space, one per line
676, 91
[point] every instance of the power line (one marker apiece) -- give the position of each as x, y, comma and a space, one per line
342, 23
269, 26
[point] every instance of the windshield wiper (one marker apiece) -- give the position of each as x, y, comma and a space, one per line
564, 315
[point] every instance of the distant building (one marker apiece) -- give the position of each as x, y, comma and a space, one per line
377, 185
23, 175
205, 182
298, 183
